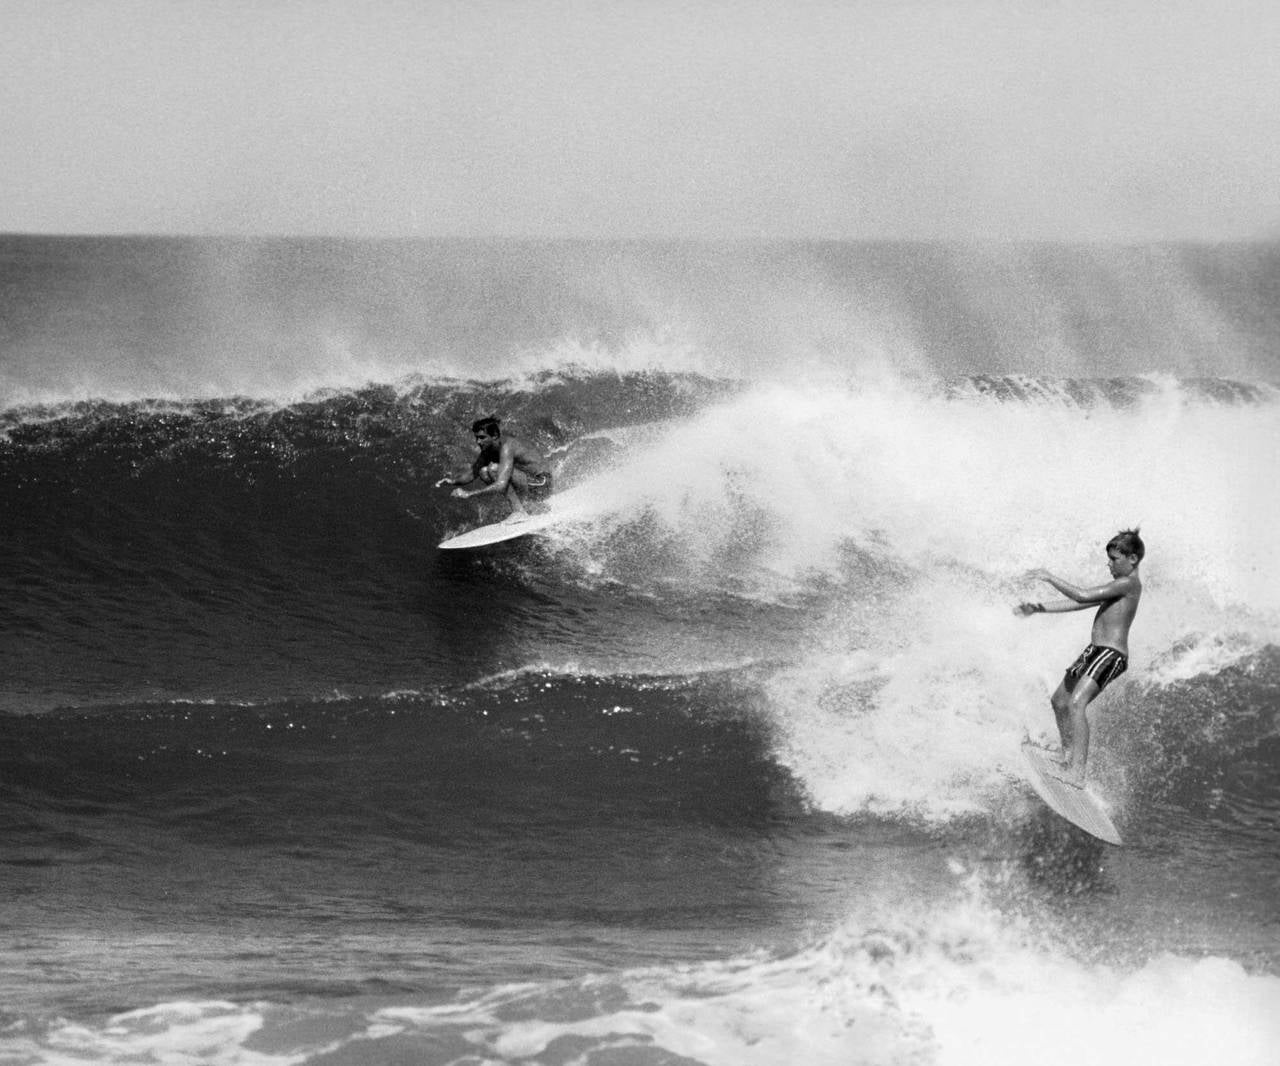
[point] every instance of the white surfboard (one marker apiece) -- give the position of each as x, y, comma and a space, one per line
1079, 806
498, 532
572, 505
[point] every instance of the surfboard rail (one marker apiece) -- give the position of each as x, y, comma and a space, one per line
571, 505
1079, 806
500, 532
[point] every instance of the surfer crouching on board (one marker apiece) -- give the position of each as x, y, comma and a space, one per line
507, 466
1107, 655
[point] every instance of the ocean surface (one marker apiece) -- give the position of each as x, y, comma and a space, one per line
725, 772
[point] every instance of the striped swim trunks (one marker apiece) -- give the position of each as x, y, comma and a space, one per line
1099, 662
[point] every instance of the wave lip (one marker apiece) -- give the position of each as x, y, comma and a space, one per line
643, 394
1120, 392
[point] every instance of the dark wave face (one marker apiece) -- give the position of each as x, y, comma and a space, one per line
218, 548
545, 802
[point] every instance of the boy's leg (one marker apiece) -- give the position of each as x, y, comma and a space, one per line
1076, 749
516, 488
1061, 703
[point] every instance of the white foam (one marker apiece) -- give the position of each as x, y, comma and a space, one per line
918, 681
1000, 488
956, 984
179, 1032
960, 988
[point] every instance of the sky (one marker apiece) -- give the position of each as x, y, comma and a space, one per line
845, 119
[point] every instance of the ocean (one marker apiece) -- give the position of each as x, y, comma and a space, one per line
725, 772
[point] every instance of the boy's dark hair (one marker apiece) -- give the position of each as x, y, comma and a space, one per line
488, 424
1127, 542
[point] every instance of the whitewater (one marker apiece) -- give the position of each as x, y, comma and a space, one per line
727, 771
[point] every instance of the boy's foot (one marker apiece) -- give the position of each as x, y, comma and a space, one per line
1060, 772
516, 516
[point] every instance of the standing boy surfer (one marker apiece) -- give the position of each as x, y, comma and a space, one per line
1107, 655
506, 465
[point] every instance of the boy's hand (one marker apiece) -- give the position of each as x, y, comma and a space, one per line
460, 494
1039, 574
1028, 608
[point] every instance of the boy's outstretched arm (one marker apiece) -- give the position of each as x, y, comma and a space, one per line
464, 478
1054, 607
1112, 590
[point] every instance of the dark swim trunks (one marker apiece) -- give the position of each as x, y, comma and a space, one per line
1099, 662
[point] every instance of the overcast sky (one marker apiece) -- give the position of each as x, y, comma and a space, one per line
1125, 119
